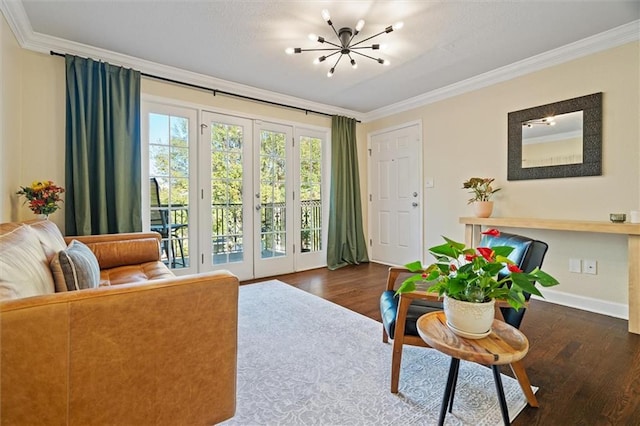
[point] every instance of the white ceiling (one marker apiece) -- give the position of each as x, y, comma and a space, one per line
242, 42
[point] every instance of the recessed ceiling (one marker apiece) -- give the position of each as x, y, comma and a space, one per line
442, 42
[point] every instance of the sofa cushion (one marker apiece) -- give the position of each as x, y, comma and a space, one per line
75, 268
135, 273
24, 270
50, 237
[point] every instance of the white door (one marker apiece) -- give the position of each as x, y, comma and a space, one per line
395, 198
226, 202
273, 200
169, 196
311, 205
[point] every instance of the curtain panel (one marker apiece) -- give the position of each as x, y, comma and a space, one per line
103, 158
346, 243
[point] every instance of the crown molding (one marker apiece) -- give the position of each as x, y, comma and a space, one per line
31, 40
615, 37
18, 21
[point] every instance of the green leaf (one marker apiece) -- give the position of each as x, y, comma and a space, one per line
415, 266
407, 286
543, 278
502, 250
523, 282
443, 250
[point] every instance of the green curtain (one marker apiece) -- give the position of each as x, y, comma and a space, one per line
103, 176
346, 245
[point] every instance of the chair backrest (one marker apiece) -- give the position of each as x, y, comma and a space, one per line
157, 216
527, 254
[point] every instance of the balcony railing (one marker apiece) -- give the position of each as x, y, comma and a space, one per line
227, 229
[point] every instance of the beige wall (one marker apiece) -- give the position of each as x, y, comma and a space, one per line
466, 136
10, 120
33, 100
463, 136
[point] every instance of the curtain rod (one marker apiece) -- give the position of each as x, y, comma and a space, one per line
222, 92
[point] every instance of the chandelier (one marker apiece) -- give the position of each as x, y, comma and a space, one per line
346, 46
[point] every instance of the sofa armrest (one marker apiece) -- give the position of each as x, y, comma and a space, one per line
113, 250
162, 352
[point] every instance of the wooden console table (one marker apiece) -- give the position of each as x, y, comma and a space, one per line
473, 228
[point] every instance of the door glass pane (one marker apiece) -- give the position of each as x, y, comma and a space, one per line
273, 238
169, 186
310, 194
226, 193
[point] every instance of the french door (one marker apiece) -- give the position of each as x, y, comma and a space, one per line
273, 199
171, 138
225, 162
233, 193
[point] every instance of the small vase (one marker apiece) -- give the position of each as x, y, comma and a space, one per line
467, 319
482, 208
43, 216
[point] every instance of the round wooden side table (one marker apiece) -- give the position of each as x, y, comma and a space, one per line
504, 345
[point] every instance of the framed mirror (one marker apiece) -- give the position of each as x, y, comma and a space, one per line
562, 139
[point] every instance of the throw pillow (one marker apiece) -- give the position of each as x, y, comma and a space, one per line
49, 235
24, 270
75, 268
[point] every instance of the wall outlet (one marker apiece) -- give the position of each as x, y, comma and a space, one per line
575, 266
590, 266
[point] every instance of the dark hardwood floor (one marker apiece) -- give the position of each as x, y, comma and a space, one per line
586, 365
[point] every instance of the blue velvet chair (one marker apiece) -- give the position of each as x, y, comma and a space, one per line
400, 313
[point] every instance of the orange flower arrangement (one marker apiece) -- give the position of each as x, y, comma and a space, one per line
43, 196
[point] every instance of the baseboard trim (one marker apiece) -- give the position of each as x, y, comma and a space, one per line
612, 309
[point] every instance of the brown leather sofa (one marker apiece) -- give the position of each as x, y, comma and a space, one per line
144, 348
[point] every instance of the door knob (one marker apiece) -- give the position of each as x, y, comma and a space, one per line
258, 207
414, 204
415, 194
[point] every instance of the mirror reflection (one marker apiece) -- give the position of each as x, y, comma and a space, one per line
553, 140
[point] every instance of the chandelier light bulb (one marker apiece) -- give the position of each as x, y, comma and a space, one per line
397, 26
359, 25
289, 50
312, 37
326, 16
354, 65
330, 73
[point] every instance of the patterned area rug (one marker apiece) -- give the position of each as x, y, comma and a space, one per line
303, 360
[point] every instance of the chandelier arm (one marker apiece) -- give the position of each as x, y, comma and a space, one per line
320, 49
334, 53
366, 56
336, 64
332, 44
366, 39
363, 47
334, 31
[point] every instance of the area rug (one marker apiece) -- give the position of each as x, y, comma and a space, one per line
303, 360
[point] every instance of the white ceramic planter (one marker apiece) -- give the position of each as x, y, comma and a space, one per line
482, 208
470, 320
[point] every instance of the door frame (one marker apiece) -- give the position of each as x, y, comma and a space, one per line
370, 177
